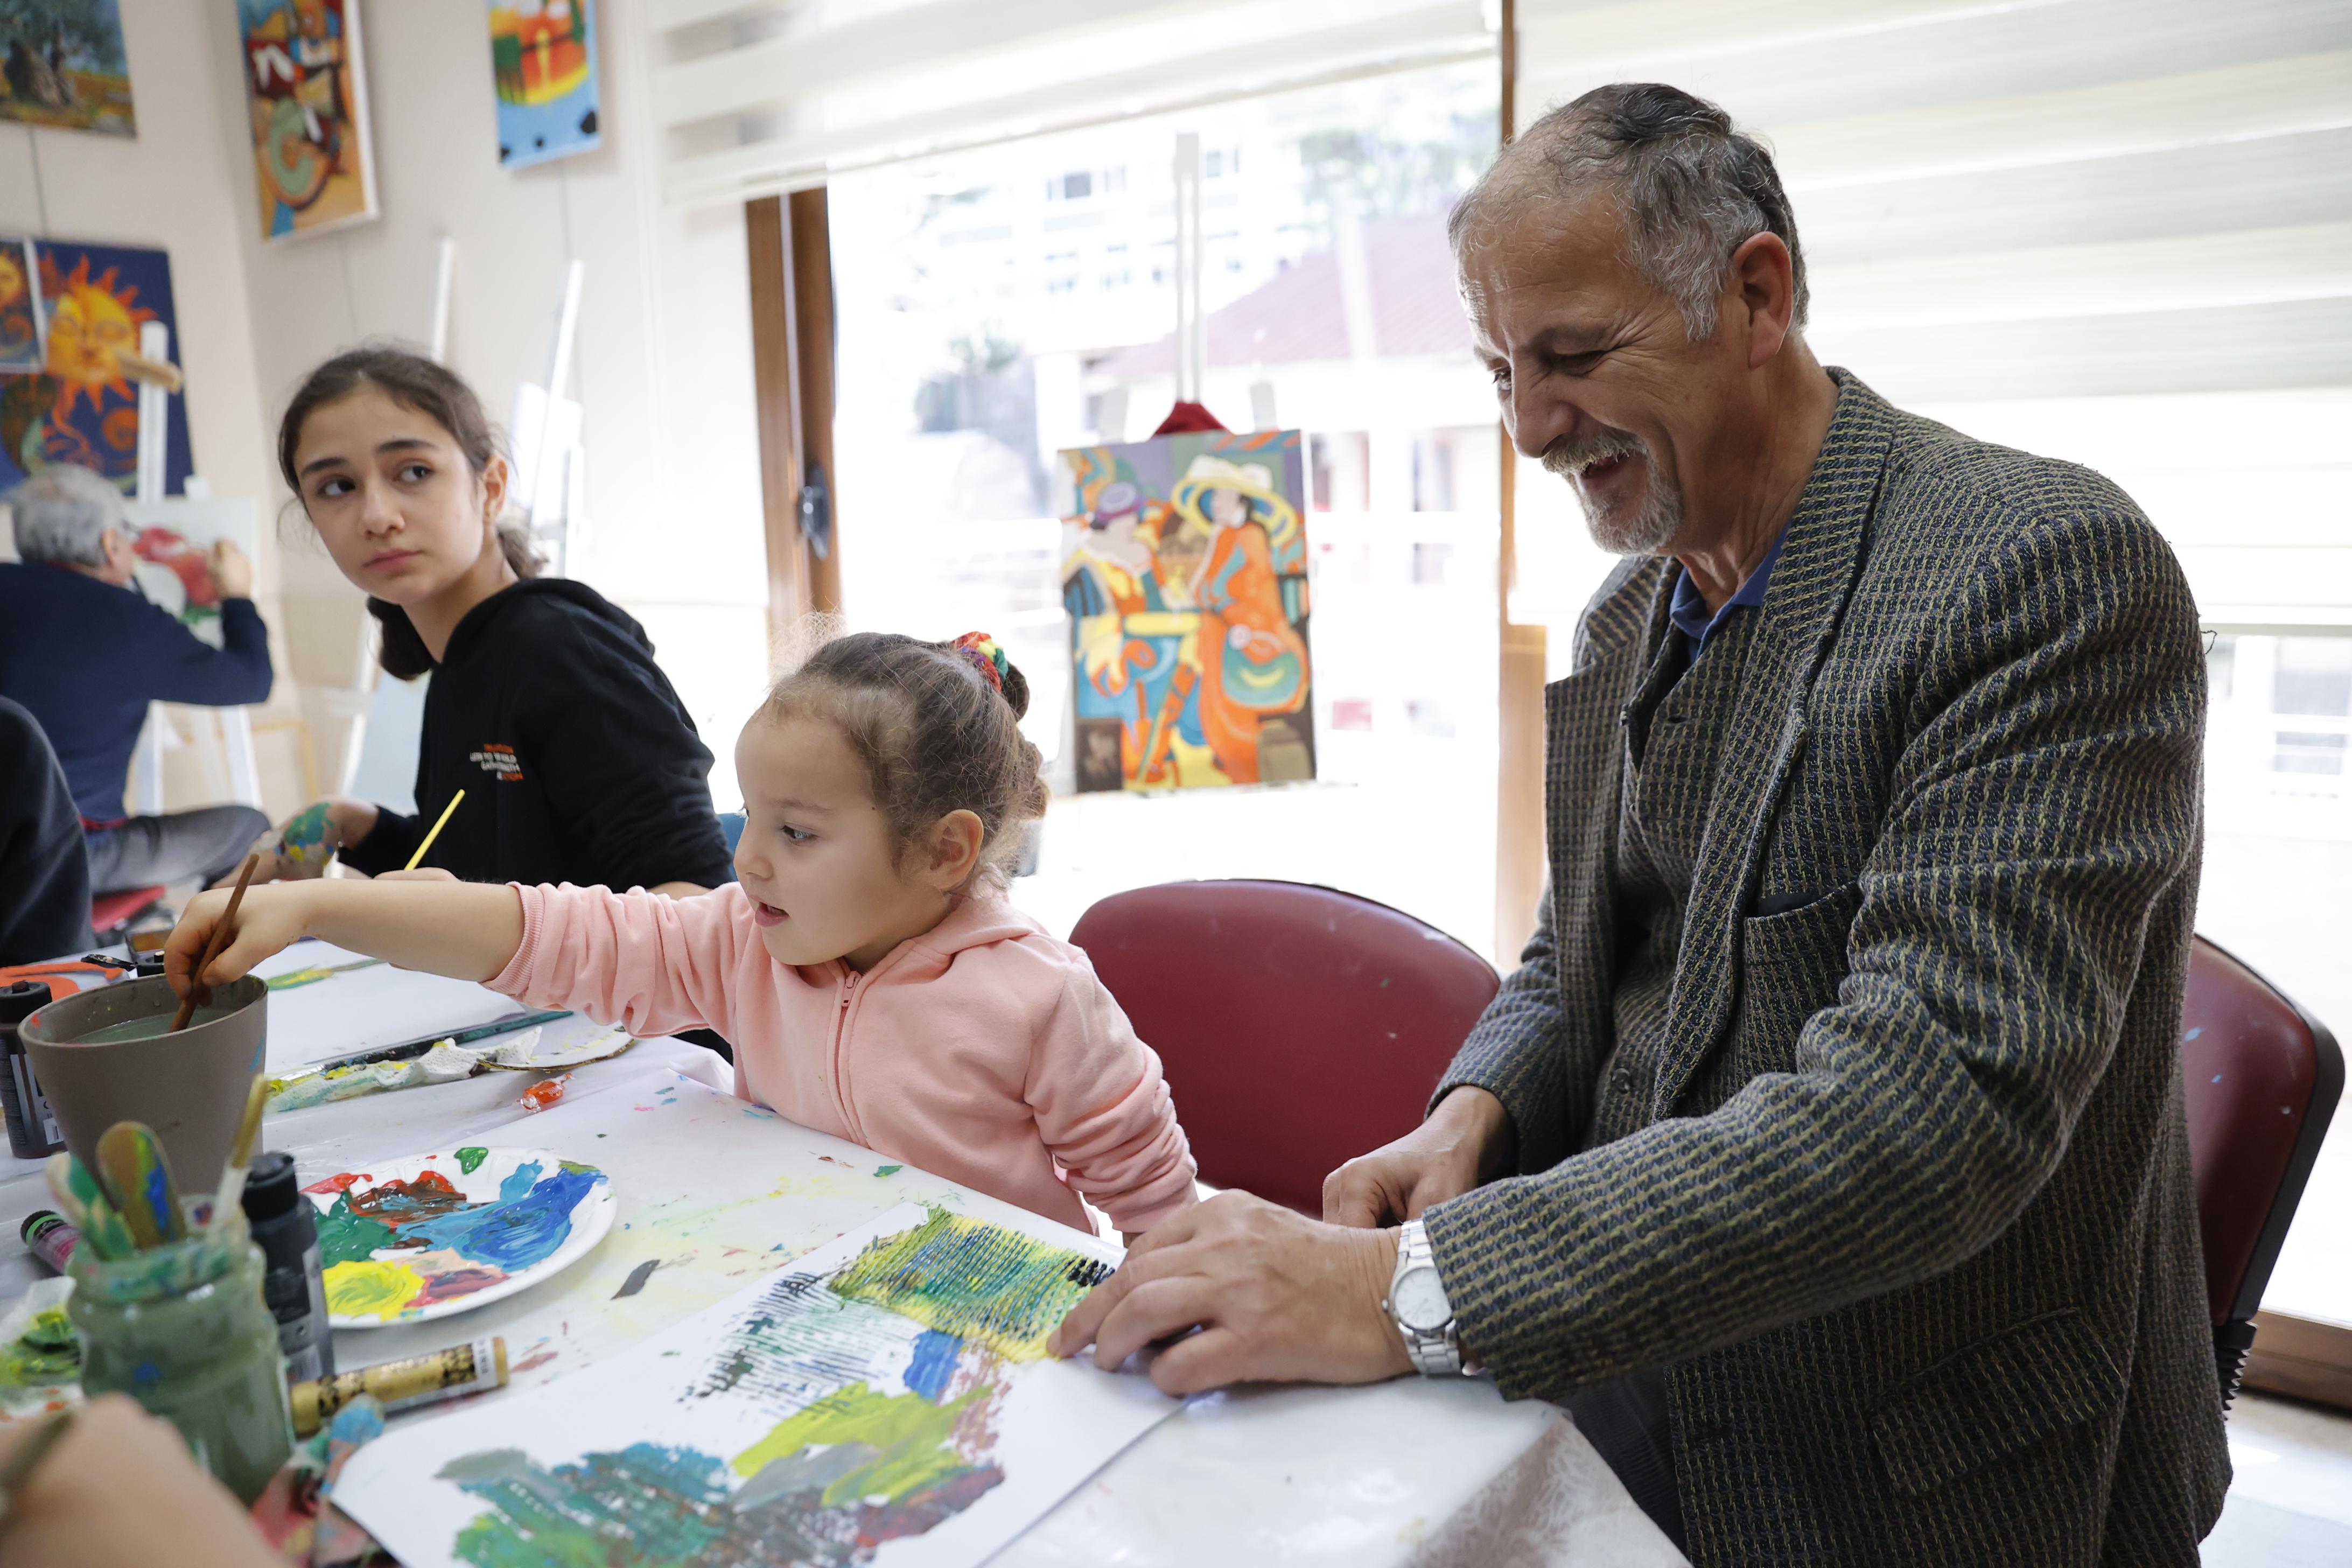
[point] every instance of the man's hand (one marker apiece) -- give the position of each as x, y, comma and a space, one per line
1277, 1298
1466, 1139
231, 573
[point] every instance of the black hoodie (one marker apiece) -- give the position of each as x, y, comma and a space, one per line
578, 762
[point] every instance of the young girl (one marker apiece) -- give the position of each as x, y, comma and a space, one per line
874, 981
578, 761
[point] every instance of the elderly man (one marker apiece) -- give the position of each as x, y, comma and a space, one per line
1825, 1153
86, 654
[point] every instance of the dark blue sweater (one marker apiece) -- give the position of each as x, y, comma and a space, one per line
85, 657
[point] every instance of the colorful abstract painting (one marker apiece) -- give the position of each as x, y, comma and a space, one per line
884, 1398
24, 325
83, 406
543, 58
1184, 573
306, 88
62, 64
452, 1230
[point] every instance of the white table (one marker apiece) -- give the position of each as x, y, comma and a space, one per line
1406, 1473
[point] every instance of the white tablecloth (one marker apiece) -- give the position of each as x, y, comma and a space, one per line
1412, 1474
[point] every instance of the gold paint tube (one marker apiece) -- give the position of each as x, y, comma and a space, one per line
473, 1368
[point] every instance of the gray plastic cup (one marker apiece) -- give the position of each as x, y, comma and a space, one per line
190, 1087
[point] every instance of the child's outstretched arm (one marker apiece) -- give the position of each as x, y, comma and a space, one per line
467, 930
1104, 1111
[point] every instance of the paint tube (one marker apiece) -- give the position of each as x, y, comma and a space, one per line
49, 1236
286, 1227
547, 1091
475, 1368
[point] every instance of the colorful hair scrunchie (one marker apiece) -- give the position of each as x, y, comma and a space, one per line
986, 657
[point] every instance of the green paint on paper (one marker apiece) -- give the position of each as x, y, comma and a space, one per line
910, 1439
345, 1237
45, 1353
974, 1280
294, 979
470, 1160
888, 1169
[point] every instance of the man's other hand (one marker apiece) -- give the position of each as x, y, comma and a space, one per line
231, 573
1466, 1139
1277, 1297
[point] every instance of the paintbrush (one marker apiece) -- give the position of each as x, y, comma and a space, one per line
132, 1168
231, 1191
439, 823
213, 945
83, 1202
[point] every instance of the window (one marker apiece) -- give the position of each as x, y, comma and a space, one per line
947, 517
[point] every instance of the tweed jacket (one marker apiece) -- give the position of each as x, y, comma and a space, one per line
1907, 1214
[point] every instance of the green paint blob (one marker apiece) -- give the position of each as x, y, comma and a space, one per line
470, 1160
888, 1170
348, 1238
909, 1436
46, 1353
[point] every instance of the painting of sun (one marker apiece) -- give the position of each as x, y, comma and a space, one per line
82, 406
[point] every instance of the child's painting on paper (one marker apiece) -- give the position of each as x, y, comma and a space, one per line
81, 405
884, 1399
543, 58
1184, 573
62, 65
306, 90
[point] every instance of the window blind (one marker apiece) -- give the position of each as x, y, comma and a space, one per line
754, 99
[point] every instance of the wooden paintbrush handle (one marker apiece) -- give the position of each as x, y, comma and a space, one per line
199, 992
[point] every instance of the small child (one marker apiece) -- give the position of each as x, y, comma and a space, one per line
874, 981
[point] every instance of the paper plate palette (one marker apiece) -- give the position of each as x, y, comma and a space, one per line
433, 1235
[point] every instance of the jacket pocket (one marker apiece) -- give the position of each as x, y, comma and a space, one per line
1790, 965
1997, 1396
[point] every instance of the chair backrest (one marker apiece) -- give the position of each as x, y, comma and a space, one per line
1300, 1026
2260, 1078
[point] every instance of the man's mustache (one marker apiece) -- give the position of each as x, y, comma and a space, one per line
1569, 458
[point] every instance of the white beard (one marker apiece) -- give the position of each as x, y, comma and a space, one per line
1641, 530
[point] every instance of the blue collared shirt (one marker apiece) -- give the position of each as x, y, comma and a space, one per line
1689, 610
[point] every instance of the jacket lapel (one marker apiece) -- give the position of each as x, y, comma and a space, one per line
1584, 752
1800, 617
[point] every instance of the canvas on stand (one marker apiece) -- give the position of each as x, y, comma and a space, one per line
544, 60
1184, 575
306, 87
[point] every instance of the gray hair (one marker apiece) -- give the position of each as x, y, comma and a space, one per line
1692, 189
62, 515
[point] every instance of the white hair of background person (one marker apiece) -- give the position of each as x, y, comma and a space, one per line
62, 515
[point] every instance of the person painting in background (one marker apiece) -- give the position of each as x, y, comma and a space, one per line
579, 763
85, 654
877, 985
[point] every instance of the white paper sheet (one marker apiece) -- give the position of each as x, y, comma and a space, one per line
358, 1003
788, 1423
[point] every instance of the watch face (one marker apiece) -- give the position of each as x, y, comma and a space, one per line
1419, 1302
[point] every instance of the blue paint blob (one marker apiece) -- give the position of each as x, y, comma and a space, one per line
934, 1364
146, 1374
529, 1220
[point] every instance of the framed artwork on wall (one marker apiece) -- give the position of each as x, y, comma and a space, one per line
80, 405
62, 65
543, 60
306, 87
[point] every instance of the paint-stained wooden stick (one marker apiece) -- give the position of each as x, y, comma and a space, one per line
83, 1201
198, 989
137, 1177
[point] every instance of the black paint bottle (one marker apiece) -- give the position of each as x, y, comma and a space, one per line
286, 1230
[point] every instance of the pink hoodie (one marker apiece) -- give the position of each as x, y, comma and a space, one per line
984, 1050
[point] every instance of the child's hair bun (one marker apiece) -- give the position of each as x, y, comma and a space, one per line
986, 655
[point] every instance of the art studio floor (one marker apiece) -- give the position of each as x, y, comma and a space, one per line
2291, 1503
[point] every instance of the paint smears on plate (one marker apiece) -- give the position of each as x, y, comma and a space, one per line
447, 1231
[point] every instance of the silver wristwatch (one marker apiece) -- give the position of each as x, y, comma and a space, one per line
1417, 1301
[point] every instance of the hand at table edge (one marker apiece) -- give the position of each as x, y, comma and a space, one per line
1275, 1297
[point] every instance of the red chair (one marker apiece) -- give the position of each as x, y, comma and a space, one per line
1300, 1026
2260, 1078
111, 913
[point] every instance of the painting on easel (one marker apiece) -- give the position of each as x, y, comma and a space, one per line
306, 88
1184, 575
82, 406
543, 56
62, 65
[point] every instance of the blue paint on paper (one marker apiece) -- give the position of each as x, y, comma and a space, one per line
934, 1364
